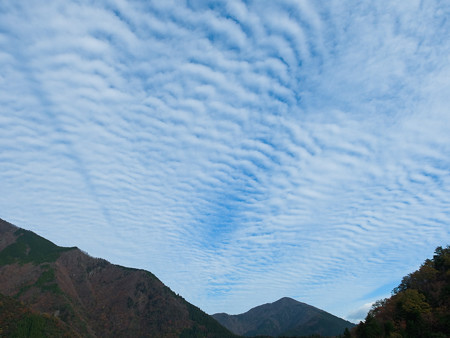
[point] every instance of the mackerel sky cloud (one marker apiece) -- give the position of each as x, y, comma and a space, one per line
242, 151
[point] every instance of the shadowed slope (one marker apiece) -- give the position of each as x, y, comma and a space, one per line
284, 317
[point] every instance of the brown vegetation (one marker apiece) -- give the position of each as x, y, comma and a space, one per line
91, 296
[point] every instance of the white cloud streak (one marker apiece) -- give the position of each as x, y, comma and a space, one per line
241, 151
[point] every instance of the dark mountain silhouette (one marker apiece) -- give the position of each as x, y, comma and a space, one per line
419, 306
70, 293
285, 317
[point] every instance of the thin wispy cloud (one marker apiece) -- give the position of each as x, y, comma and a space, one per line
240, 150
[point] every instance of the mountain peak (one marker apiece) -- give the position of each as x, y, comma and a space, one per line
287, 300
287, 317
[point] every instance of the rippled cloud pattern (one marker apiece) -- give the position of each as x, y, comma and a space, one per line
240, 150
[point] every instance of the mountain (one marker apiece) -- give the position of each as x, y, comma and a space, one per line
17, 320
285, 317
65, 289
419, 306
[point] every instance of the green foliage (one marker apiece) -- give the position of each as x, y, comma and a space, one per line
30, 248
204, 325
16, 251
32, 325
193, 332
441, 258
346, 333
412, 304
46, 277
17, 321
371, 328
47, 281
419, 306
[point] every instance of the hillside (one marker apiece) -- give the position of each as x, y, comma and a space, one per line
16, 320
285, 317
419, 306
90, 296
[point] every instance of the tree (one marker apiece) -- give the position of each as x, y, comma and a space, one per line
418, 307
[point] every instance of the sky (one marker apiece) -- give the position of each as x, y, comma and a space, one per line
242, 151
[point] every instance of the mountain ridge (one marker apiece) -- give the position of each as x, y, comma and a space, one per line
91, 296
284, 317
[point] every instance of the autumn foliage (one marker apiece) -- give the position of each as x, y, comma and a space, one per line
419, 306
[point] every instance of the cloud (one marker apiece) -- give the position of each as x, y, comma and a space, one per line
241, 151
360, 314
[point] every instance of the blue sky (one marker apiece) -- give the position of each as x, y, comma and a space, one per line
240, 150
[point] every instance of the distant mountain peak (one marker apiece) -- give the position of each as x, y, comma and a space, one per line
287, 300
284, 300
286, 317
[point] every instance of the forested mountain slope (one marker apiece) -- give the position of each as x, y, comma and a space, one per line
17, 320
89, 296
419, 306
